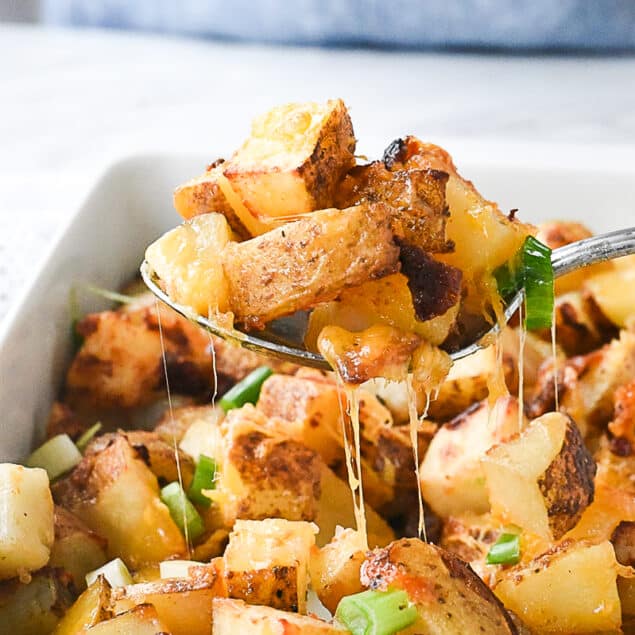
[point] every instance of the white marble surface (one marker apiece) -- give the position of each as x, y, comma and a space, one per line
73, 102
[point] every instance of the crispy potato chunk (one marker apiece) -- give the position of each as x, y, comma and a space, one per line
120, 363
308, 261
623, 424
141, 620
607, 288
452, 478
449, 596
293, 160
90, 608
187, 262
115, 494
570, 589
234, 616
541, 480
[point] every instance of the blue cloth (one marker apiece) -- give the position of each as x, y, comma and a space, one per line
507, 24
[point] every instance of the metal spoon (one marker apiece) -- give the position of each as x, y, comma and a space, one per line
284, 338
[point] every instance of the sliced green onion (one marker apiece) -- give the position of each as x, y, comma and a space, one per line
115, 572
183, 513
204, 477
531, 269
376, 612
245, 391
506, 550
87, 437
177, 568
113, 296
57, 456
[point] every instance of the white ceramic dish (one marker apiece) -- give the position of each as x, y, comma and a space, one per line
103, 244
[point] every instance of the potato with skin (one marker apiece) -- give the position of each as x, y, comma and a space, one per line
452, 478
569, 589
449, 596
542, 479
309, 261
90, 608
293, 160
141, 620
234, 616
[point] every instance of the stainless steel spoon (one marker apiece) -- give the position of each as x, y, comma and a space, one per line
284, 338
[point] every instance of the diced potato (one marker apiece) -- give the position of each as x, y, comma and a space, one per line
450, 598
293, 159
452, 478
26, 523
187, 261
608, 290
623, 424
541, 480
272, 546
120, 363
141, 620
203, 432
34, 608
90, 608
205, 194
184, 605
116, 494
308, 261
335, 567
77, 550
590, 399
233, 616
570, 589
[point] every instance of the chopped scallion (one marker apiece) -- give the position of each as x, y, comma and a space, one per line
183, 513
506, 550
376, 612
57, 456
177, 568
115, 572
204, 477
87, 437
113, 296
245, 391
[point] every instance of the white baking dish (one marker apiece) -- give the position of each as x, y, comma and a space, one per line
103, 244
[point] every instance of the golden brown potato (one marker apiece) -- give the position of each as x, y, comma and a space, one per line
569, 589
115, 494
452, 478
233, 616
34, 608
607, 289
623, 424
184, 605
266, 562
293, 159
141, 620
120, 363
90, 608
62, 420
541, 480
308, 261
623, 540
335, 567
77, 549
449, 596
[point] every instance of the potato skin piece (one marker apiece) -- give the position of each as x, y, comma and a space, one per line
449, 596
311, 260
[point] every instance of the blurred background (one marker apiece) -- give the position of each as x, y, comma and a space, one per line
84, 83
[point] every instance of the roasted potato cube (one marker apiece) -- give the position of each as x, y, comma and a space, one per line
141, 620
34, 608
233, 616
77, 549
115, 493
205, 194
590, 399
120, 363
293, 160
266, 562
623, 424
202, 435
184, 605
569, 589
335, 567
452, 478
449, 596
187, 261
541, 480
27, 526
90, 608
308, 261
